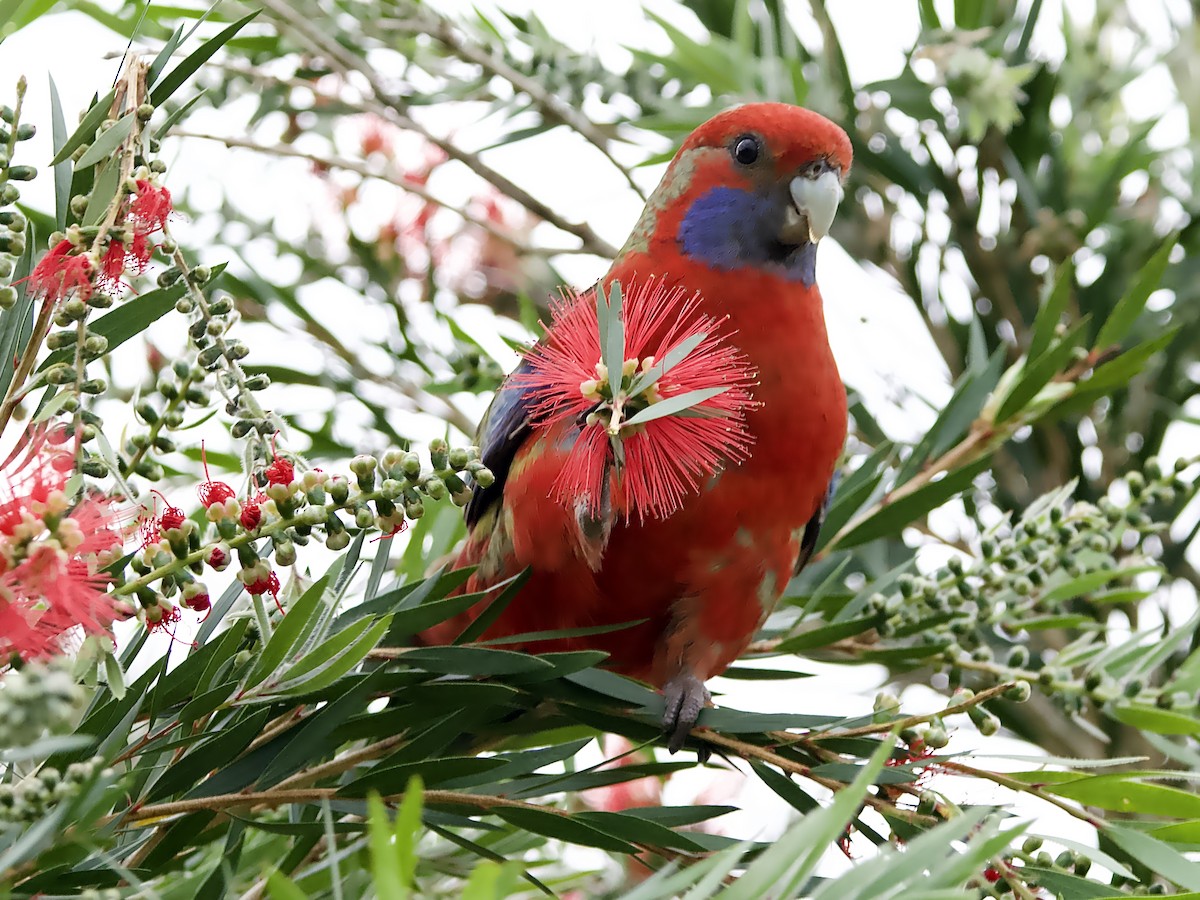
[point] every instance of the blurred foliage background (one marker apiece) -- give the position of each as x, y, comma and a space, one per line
1024, 182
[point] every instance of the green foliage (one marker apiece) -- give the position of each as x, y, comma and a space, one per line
310, 751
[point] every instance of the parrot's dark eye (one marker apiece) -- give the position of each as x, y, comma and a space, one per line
747, 149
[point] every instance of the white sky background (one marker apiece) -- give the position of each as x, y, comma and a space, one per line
880, 342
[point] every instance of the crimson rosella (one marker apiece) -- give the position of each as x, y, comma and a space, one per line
702, 553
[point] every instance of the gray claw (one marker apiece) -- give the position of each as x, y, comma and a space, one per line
685, 696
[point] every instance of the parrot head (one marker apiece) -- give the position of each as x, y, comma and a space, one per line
754, 187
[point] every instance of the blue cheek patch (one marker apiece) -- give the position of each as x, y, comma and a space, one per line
728, 228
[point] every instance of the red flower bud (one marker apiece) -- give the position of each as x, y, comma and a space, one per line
251, 514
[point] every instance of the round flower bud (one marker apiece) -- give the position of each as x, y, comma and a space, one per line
285, 553
936, 737
439, 453
1019, 692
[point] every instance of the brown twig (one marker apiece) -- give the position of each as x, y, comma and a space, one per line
390, 107
748, 751
551, 107
911, 721
274, 798
361, 168
1033, 790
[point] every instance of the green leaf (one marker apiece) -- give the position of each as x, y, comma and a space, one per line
280, 887
86, 131
318, 728
16, 323
1152, 718
1050, 312
484, 620
1061, 884
736, 721
287, 633
640, 831
1178, 832
214, 753
827, 634
895, 515
1091, 581
563, 828
1129, 307
788, 864
408, 827
671, 358
129, 319
386, 870
612, 329
1122, 794
1156, 855
108, 141
116, 678
491, 880
615, 686
164, 128
62, 171
1037, 373
1116, 373
333, 659
670, 406
164, 56
182, 72
475, 661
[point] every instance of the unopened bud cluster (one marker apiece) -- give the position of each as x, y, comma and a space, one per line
399, 478
974, 615
36, 699
291, 509
162, 409
33, 796
12, 222
474, 371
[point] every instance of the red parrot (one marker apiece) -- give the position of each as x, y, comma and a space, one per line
735, 219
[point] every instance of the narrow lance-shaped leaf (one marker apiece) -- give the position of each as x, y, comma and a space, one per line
671, 406
1129, 307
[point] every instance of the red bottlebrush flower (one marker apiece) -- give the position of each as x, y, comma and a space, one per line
212, 492
112, 268
59, 273
251, 513
991, 874
121, 258
172, 516
150, 208
50, 556
654, 461
267, 585
281, 470
164, 617
159, 618
196, 598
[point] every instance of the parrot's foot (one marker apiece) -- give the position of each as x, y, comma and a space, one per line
686, 695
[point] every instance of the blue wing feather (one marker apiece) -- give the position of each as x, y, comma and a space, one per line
504, 428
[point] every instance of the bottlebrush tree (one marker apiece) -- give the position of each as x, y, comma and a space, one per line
237, 447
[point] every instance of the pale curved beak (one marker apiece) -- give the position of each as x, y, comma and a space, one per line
815, 202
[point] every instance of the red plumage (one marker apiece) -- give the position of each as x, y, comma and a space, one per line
703, 575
